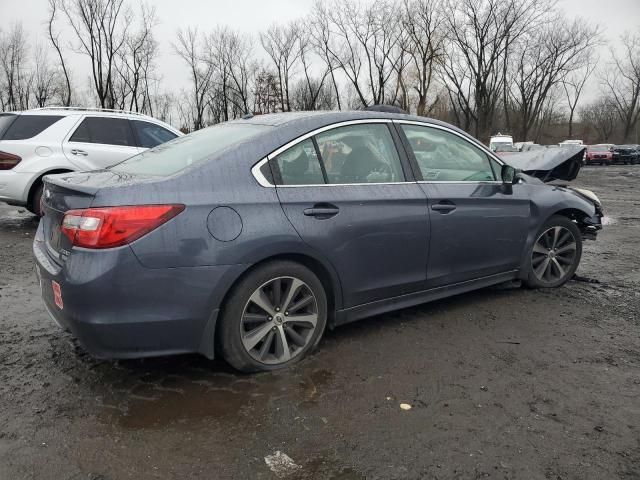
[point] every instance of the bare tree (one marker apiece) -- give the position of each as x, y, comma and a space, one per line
13, 62
55, 41
601, 116
281, 44
622, 83
544, 58
45, 78
423, 21
135, 65
573, 85
201, 73
368, 52
322, 40
481, 33
101, 29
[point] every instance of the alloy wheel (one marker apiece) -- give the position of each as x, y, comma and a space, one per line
279, 320
553, 255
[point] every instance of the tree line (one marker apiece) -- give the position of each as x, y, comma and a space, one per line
518, 66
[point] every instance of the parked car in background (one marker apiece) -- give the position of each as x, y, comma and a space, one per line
601, 154
500, 141
625, 154
247, 239
571, 142
35, 143
502, 149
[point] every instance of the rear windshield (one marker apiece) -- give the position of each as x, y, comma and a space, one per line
28, 126
178, 154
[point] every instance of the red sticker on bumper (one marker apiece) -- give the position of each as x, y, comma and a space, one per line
57, 294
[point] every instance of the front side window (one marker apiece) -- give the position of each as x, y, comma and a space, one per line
108, 131
151, 135
445, 157
27, 126
299, 165
362, 153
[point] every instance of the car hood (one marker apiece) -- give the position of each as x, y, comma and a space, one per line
561, 163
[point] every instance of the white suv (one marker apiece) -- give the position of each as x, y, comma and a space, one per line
35, 143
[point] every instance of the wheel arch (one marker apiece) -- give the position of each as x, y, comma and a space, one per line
38, 180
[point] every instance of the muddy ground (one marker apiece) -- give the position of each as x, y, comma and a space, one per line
512, 383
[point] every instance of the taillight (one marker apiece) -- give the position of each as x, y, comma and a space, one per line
8, 160
108, 227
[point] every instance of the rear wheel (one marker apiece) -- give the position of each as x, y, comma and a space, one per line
35, 204
273, 317
555, 254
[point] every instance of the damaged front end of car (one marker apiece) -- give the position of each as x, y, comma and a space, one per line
558, 165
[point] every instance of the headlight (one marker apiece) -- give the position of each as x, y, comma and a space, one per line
588, 194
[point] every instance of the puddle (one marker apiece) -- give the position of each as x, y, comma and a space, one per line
152, 402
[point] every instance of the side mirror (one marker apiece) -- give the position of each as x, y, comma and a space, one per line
508, 174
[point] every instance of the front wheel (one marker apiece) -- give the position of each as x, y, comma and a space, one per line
273, 317
555, 254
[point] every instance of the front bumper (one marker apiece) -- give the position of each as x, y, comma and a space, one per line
119, 309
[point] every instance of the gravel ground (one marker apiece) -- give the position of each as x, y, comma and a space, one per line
502, 383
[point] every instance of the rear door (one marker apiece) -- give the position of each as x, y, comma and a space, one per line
479, 225
347, 194
99, 142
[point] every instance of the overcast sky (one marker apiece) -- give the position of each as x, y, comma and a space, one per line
252, 16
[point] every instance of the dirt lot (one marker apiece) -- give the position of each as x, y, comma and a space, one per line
502, 383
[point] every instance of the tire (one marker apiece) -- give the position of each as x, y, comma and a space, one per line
35, 204
557, 248
259, 336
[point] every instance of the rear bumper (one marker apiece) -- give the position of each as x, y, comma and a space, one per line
117, 308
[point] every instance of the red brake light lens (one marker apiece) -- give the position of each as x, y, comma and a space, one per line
8, 160
108, 227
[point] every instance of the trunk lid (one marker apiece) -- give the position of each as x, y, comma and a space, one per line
553, 163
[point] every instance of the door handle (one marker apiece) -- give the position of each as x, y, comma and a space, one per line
75, 151
443, 207
321, 211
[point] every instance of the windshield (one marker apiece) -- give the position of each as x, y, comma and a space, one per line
6, 119
182, 152
599, 148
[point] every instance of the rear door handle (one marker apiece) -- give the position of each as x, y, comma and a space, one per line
443, 207
321, 211
75, 151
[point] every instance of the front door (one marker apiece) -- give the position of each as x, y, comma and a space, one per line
478, 225
344, 191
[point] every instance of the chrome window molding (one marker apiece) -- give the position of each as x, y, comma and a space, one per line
262, 180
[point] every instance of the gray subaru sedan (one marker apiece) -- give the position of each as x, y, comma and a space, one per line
249, 238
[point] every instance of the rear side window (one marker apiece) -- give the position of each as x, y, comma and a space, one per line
6, 119
108, 131
182, 152
151, 135
363, 153
299, 165
28, 126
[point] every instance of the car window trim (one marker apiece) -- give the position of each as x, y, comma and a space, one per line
262, 180
470, 140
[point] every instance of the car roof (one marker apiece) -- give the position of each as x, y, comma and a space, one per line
311, 120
